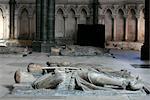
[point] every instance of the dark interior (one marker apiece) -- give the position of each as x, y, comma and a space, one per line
91, 35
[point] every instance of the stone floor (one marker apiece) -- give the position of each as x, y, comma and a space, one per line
122, 60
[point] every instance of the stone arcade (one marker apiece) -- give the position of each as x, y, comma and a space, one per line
124, 21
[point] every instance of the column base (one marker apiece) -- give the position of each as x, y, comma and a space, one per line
41, 46
145, 52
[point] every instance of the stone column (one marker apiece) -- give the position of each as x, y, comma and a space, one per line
38, 20
45, 25
36, 45
88, 19
65, 17
30, 27
51, 21
44, 20
48, 25
114, 27
125, 28
76, 28
7, 24
101, 19
16, 25
12, 22
95, 11
4, 28
137, 31
145, 50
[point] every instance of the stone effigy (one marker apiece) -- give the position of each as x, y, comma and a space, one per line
48, 81
34, 68
94, 80
76, 50
78, 78
23, 77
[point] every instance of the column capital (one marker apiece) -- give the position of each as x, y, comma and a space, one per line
65, 16
88, 16
77, 16
101, 16
125, 16
30, 16
114, 16
12, 2
137, 16
4, 16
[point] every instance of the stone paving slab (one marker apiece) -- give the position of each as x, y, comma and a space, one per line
99, 98
69, 98
139, 97
10, 97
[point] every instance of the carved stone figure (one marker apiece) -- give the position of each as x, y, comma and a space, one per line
92, 80
79, 77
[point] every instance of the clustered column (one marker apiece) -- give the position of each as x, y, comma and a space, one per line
51, 21
38, 20
145, 53
95, 11
44, 20
45, 25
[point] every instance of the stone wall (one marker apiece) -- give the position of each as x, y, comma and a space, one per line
123, 19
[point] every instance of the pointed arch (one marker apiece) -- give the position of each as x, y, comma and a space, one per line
83, 17
58, 8
120, 26
60, 11
59, 24
141, 26
33, 25
131, 25
106, 10
73, 10
108, 25
84, 11
24, 25
71, 25
85, 8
